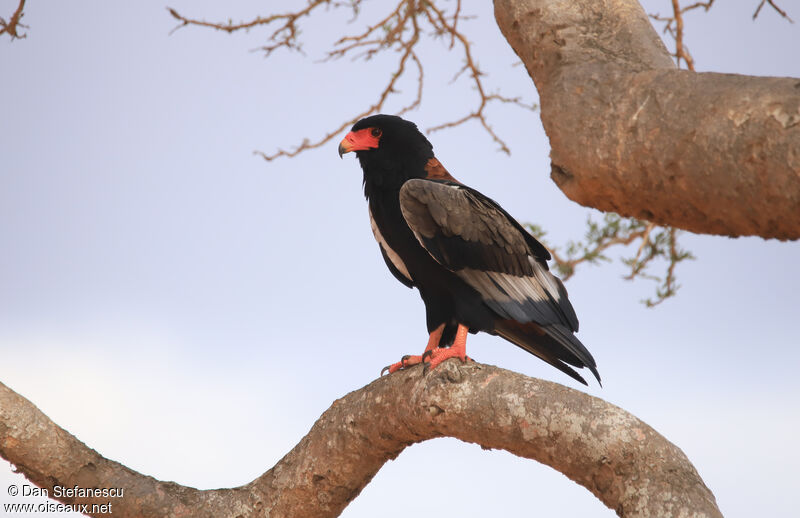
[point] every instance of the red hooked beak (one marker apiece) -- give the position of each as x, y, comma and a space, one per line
360, 140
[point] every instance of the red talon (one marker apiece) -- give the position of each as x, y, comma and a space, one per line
408, 361
434, 355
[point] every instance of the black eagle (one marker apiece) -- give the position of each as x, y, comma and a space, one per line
476, 268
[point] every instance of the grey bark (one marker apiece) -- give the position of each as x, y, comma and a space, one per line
621, 460
630, 133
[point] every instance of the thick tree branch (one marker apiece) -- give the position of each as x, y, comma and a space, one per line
625, 463
706, 152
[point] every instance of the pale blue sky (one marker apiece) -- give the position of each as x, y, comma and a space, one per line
189, 310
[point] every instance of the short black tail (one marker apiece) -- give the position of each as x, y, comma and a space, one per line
554, 344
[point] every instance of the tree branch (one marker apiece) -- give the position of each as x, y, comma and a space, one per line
631, 134
625, 463
674, 26
11, 27
778, 9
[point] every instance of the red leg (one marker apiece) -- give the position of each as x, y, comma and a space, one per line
408, 360
457, 350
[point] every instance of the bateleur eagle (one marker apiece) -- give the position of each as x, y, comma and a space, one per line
476, 268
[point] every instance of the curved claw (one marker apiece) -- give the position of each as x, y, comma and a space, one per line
406, 361
426, 364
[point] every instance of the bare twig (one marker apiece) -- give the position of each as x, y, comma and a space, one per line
400, 29
12, 26
407, 54
681, 52
284, 36
438, 20
778, 9
674, 26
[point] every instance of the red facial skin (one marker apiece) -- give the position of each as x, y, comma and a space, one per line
360, 140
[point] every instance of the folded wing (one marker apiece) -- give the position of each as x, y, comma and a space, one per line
472, 236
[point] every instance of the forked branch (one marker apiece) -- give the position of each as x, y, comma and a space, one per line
777, 9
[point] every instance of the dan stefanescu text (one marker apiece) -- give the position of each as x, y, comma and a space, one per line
74, 492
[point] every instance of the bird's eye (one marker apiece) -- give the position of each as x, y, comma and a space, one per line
376, 132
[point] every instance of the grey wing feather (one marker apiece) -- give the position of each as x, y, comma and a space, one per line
472, 236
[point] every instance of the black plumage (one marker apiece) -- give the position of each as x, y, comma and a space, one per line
475, 266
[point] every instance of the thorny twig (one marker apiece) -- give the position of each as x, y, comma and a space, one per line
12, 25
655, 243
400, 30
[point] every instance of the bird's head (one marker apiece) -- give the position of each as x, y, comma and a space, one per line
389, 148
